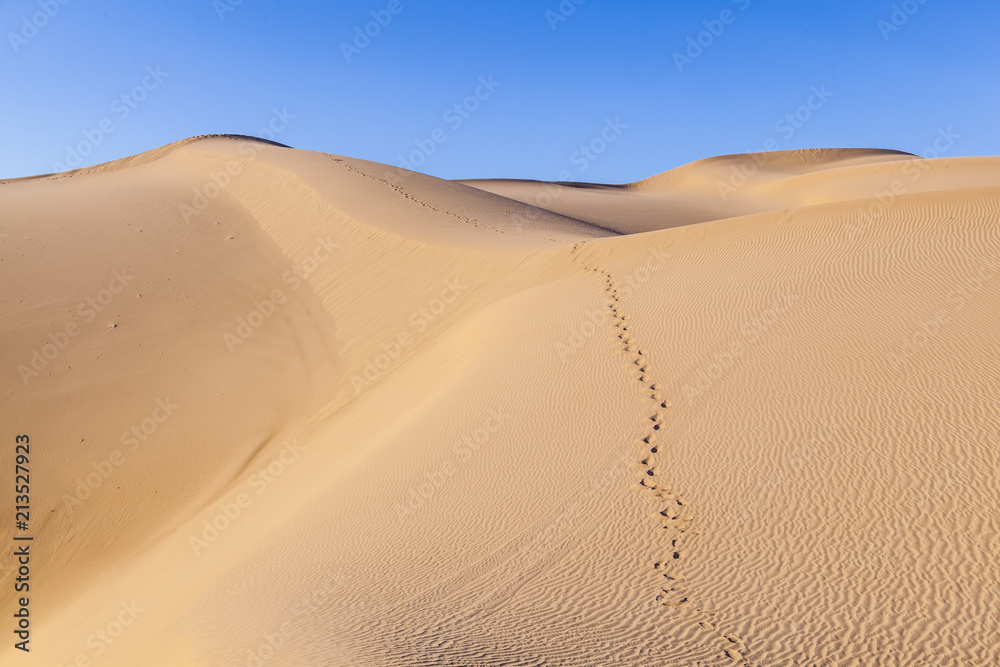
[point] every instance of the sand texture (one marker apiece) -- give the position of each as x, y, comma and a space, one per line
291, 408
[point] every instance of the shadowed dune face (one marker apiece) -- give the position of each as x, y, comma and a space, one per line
154, 355
290, 408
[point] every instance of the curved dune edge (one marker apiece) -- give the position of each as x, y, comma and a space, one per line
344, 414
146, 157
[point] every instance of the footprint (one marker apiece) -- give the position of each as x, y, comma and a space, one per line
660, 495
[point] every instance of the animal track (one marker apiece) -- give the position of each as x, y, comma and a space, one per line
406, 195
650, 471
679, 525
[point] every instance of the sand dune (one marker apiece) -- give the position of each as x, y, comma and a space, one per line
291, 408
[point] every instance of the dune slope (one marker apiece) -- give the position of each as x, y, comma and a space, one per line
290, 408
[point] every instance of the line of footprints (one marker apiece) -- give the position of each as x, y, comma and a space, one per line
406, 195
673, 517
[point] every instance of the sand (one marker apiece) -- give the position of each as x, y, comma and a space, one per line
291, 408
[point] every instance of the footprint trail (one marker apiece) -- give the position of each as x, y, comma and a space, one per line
671, 512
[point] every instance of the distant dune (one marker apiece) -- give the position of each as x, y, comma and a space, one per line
291, 408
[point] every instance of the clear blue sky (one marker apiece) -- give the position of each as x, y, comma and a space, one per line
227, 65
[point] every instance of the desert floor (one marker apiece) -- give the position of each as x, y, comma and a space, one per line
291, 408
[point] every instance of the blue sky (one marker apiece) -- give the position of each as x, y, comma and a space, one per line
642, 86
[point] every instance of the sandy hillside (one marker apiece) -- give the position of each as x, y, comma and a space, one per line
290, 408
